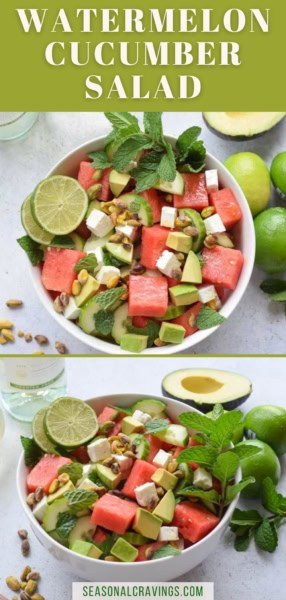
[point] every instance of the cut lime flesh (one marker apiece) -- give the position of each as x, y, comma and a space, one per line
39, 433
34, 231
70, 422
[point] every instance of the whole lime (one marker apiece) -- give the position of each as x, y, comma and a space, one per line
263, 464
268, 422
278, 173
270, 231
252, 174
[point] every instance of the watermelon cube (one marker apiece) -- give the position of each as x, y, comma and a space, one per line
226, 206
156, 203
142, 550
153, 243
116, 429
58, 271
107, 414
105, 193
148, 296
99, 536
194, 522
155, 446
113, 513
85, 174
195, 194
222, 266
141, 473
45, 471
188, 319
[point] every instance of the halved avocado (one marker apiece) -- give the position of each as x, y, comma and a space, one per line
203, 388
239, 126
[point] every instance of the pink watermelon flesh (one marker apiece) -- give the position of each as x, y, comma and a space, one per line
113, 513
153, 243
155, 446
188, 319
226, 206
195, 194
107, 414
141, 473
142, 550
194, 522
222, 266
85, 175
148, 296
156, 203
105, 193
58, 271
45, 471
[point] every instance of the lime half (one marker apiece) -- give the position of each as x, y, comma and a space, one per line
35, 231
39, 433
59, 204
70, 422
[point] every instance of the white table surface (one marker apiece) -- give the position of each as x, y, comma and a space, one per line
250, 575
256, 326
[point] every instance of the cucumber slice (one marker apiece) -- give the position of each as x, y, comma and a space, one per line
54, 534
119, 252
172, 187
95, 242
94, 204
78, 241
197, 222
186, 480
172, 312
52, 513
142, 445
149, 406
141, 206
82, 530
120, 323
177, 435
86, 318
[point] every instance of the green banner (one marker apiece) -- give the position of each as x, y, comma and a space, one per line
99, 55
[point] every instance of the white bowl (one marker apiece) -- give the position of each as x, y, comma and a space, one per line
245, 241
90, 569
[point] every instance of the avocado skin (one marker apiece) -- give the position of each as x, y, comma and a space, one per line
238, 138
204, 408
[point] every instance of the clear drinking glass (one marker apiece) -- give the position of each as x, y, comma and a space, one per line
2, 423
13, 125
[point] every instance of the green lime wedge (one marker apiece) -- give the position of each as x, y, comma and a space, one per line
31, 226
70, 422
59, 204
39, 433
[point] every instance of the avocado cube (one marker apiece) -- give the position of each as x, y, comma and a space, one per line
86, 549
166, 508
108, 478
192, 272
147, 524
68, 487
136, 539
172, 333
130, 425
124, 551
184, 294
88, 290
164, 479
179, 241
118, 181
133, 342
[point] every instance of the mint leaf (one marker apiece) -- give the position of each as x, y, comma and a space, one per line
279, 297
167, 166
89, 263
186, 140
273, 286
108, 259
66, 521
135, 205
198, 422
202, 455
153, 125
217, 411
32, 249
99, 160
151, 330
106, 299
196, 158
120, 120
62, 241
249, 518
271, 499
224, 429
236, 488
74, 470
123, 134
149, 162
107, 544
208, 317
104, 322
242, 542
156, 425
144, 179
193, 492
225, 467
128, 151
245, 451
266, 536
166, 550
32, 452
80, 499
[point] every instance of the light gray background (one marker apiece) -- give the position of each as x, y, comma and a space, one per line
250, 575
256, 326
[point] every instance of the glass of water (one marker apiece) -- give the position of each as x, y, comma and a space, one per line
14, 125
2, 423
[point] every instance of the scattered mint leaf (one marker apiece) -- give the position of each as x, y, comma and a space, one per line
248, 518
80, 499
208, 317
104, 322
242, 542
106, 299
151, 330
32, 452
88, 262
198, 422
66, 521
245, 451
186, 140
225, 467
153, 125
156, 425
167, 166
202, 455
128, 151
236, 488
121, 120
62, 241
193, 492
266, 536
166, 550
273, 286
32, 249
74, 470
278, 297
272, 500
99, 160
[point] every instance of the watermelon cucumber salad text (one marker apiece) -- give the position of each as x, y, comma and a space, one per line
138, 250
130, 484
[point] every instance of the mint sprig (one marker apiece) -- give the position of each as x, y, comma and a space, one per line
74, 470
80, 499
208, 317
32, 452
32, 249
88, 262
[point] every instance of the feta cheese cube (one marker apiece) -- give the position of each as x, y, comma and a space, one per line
40, 508
98, 253
168, 534
214, 224
87, 484
99, 223
86, 470
162, 459
146, 494
99, 450
211, 180
168, 216
71, 311
167, 263
125, 462
106, 273
202, 479
141, 416
207, 293
127, 230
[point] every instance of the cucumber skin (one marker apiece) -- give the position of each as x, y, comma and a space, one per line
157, 404
171, 438
119, 328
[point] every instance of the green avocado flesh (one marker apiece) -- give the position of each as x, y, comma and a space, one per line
242, 125
203, 388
